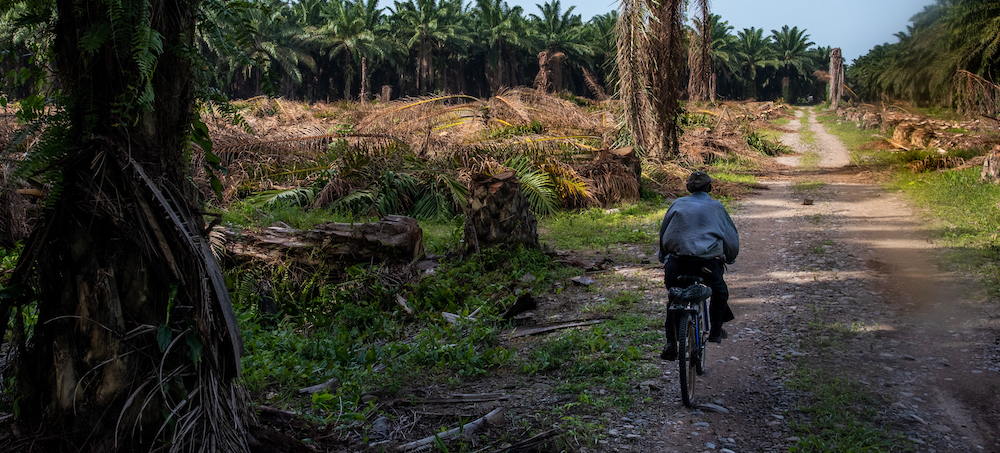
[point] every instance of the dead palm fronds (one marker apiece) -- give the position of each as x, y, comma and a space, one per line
976, 95
594, 85
573, 190
699, 61
508, 108
633, 34
666, 57
612, 182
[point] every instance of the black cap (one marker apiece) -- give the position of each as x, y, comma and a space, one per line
699, 181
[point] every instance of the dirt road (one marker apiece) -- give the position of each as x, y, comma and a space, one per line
847, 284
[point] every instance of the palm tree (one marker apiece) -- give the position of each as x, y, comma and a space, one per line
753, 51
426, 26
501, 29
666, 54
357, 32
699, 81
599, 34
258, 46
922, 68
791, 48
723, 52
560, 36
136, 346
977, 25
819, 58
632, 33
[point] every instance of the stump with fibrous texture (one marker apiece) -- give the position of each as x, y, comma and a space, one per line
991, 167
498, 214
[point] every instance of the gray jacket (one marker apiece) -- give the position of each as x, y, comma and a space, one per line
697, 225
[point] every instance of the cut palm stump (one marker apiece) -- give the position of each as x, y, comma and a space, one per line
498, 214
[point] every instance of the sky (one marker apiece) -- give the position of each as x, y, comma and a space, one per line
856, 26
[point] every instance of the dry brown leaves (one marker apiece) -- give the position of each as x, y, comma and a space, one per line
477, 135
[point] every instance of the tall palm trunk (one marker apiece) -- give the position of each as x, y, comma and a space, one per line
348, 74
836, 77
632, 34
666, 54
134, 322
364, 79
424, 67
700, 64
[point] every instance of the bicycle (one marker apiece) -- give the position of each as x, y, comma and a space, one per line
690, 306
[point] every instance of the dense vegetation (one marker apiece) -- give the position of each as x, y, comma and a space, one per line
325, 50
270, 161
948, 57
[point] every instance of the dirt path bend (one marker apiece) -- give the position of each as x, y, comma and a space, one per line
846, 283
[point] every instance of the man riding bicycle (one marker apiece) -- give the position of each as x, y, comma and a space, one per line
698, 238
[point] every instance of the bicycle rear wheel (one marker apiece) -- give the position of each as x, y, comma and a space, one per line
687, 357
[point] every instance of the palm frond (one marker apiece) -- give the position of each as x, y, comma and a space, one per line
573, 190
297, 196
536, 185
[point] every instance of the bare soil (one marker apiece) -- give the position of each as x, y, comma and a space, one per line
841, 276
853, 258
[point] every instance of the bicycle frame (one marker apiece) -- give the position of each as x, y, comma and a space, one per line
688, 310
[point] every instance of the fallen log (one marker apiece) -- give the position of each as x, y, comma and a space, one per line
524, 331
495, 417
392, 238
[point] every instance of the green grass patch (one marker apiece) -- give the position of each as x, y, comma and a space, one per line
968, 214
597, 228
855, 139
839, 414
354, 330
598, 368
247, 214
807, 187
780, 121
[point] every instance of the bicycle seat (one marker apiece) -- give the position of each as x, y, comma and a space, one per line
692, 292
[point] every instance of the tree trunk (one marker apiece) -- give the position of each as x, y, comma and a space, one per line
364, 79
543, 81
836, 77
424, 68
498, 214
698, 57
556, 67
391, 238
991, 167
136, 344
666, 53
348, 75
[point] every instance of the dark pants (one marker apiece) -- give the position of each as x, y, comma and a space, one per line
711, 270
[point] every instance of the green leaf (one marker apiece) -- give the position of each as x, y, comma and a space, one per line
95, 37
200, 135
194, 347
163, 337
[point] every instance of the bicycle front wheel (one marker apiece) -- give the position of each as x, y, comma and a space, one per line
687, 357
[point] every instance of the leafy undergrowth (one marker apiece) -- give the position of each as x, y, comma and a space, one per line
383, 359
